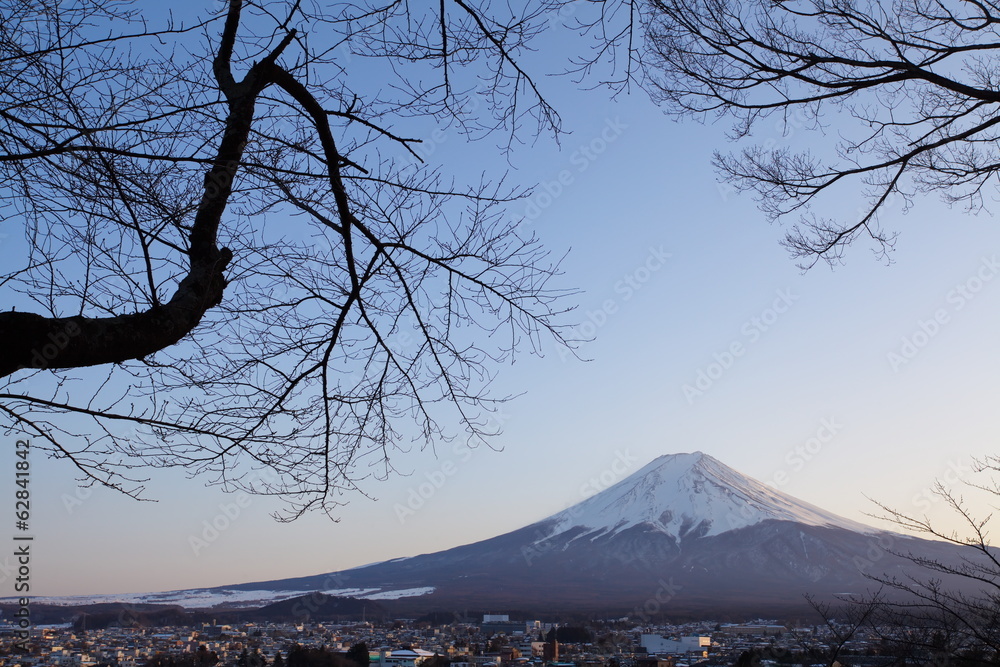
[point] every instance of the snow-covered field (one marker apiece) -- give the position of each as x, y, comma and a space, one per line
404, 593
235, 599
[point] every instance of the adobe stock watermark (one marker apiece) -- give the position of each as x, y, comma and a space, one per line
957, 474
667, 590
8, 568
228, 513
213, 528
751, 331
80, 495
422, 150
879, 545
84, 489
796, 458
956, 299
882, 544
307, 605
418, 495
619, 468
581, 159
626, 288
558, 16
802, 453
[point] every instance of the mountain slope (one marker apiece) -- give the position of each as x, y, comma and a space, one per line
684, 536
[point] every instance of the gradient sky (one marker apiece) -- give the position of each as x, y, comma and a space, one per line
674, 272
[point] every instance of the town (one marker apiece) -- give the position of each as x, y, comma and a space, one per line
493, 641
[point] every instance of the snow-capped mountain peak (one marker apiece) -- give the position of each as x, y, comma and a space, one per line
689, 495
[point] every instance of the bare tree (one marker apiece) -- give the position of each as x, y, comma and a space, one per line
952, 614
907, 90
234, 259
843, 624
946, 610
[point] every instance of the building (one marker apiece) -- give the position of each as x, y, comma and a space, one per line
759, 630
657, 645
408, 657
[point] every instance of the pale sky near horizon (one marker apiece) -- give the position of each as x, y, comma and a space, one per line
867, 380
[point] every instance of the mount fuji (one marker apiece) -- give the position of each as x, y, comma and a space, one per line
688, 496
685, 535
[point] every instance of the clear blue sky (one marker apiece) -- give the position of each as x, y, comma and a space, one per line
677, 275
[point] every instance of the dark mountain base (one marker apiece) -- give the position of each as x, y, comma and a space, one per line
760, 570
